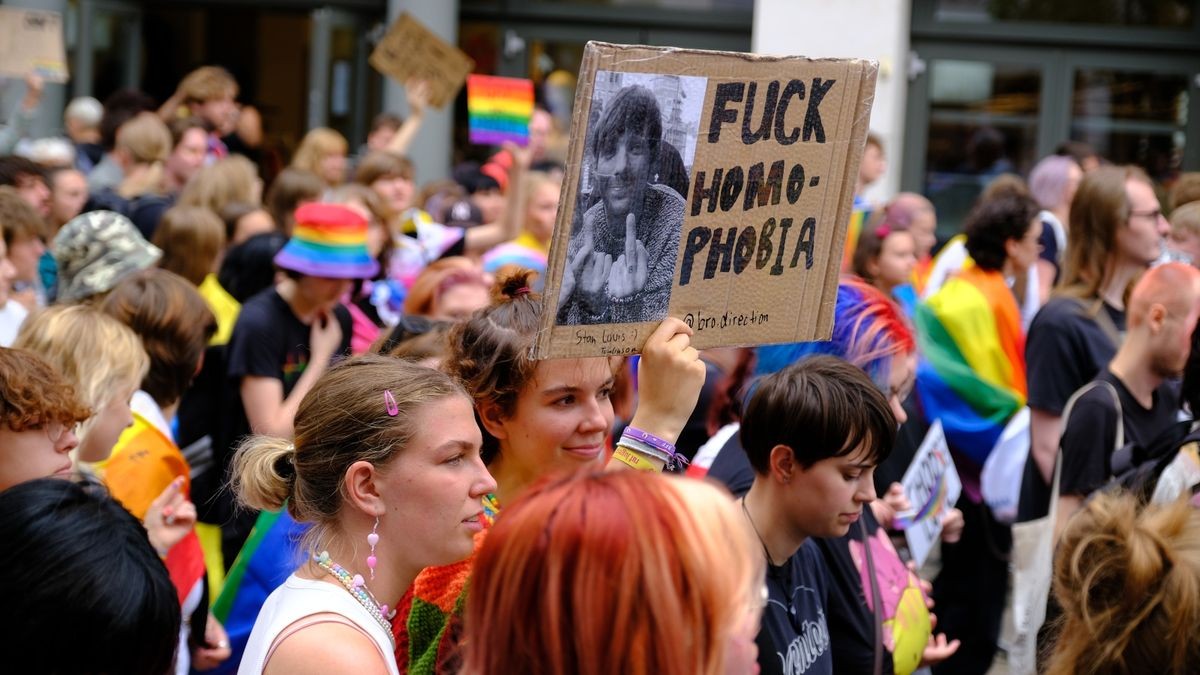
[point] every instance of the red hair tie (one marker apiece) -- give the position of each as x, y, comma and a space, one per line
524, 290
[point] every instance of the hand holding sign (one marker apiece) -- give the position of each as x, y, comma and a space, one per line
416, 94
629, 273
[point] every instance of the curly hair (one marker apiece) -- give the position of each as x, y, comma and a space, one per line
993, 223
33, 394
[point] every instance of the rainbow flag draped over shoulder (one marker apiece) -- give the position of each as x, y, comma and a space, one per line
269, 556
499, 109
971, 374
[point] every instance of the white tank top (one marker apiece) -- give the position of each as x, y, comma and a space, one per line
298, 598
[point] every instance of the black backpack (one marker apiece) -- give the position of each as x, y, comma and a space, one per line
1136, 469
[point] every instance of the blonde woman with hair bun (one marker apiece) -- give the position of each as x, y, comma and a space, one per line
385, 496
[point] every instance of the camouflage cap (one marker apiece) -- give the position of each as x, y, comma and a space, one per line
95, 250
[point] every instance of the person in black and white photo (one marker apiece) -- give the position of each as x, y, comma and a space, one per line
621, 259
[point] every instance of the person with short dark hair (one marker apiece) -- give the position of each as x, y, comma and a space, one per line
621, 261
189, 145
813, 432
29, 180
108, 606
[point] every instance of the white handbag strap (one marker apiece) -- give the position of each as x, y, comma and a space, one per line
1118, 441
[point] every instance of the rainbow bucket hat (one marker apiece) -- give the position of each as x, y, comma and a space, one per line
330, 241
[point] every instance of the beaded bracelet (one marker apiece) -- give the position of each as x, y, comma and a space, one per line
650, 439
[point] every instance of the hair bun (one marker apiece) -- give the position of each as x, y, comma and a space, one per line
285, 464
513, 282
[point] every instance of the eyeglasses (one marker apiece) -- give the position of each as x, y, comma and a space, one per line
1153, 215
56, 430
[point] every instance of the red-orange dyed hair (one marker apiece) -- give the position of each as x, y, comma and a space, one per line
619, 573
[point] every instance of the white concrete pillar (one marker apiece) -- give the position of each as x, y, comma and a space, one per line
870, 29
433, 146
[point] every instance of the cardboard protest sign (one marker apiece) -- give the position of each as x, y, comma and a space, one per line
498, 109
932, 487
710, 186
31, 41
410, 50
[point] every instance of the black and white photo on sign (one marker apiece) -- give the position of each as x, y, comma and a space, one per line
633, 183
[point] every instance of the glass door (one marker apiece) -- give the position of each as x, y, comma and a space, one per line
341, 82
104, 46
975, 112
980, 115
1136, 111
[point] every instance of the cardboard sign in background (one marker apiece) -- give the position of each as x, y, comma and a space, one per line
31, 41
791, 176
410, 50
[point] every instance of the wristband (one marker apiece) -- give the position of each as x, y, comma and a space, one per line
642, 448
650, 439
623, 455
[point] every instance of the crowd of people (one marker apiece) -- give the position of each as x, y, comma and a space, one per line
288, 421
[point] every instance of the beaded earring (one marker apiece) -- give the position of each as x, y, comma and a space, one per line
373, 539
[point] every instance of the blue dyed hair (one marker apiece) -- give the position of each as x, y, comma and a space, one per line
868, 330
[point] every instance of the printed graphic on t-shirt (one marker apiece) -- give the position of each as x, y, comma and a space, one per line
293, 367
812, 639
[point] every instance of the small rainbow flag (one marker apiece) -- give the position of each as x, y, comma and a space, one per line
499, 109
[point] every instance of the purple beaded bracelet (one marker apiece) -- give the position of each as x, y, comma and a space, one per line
651, 440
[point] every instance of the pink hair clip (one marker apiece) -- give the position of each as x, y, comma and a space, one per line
883, 231
389, 403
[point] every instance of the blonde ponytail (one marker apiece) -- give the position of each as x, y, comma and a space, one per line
264, 473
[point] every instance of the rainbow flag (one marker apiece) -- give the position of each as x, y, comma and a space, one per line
858, 217
499, 109
269, 556
971, 374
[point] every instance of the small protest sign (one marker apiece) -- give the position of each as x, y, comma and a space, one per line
411, 51
711, 186
31, 41
498, 109
932, 487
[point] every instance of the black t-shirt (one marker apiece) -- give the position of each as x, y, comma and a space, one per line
1064, 350
268, 340
851, 621
794, 636
1089, 434
1049, 243
731, 467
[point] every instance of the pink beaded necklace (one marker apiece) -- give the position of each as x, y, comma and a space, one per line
359, 591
